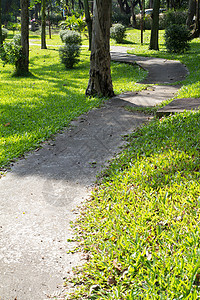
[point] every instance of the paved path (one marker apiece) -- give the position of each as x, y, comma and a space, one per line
39, 193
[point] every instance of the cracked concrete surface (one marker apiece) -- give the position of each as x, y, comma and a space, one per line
40, 194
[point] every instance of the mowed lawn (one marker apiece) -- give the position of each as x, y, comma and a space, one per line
33, 109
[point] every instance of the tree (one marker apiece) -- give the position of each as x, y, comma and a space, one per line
100, 82
43, 25
22, 66
88, 21
191, 12
155, 26
1, 38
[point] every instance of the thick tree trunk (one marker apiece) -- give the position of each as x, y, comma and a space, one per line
155, 26
22, 65
124, 6
1, 38
88, 21
100, 82
191, 13
43, 32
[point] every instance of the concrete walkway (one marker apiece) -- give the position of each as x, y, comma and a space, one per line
39, 194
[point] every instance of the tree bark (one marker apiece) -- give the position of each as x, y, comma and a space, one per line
124, 6
1, 38
22, 65
100, 82
191, 13
155, 26
88, 21
43, 32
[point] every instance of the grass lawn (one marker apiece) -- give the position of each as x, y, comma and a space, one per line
33, 109
140, 230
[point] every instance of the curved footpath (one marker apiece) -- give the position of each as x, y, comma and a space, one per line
39, 193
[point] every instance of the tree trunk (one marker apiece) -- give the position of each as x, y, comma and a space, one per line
88, 21
191, 13
124, 6
43, 32
155, 26
49, 22
22, 65
100, 82
1, 38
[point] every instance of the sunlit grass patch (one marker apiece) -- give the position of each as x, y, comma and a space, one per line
33, 109
141, 227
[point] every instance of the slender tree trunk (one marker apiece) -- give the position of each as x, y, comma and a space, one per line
49, 21
1, 38
142, 19
155, 26
43, 32
191, 12
100, 82
88, 21
22, 65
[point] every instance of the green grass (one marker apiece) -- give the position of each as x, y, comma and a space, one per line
33, 109
141, 227
140, 230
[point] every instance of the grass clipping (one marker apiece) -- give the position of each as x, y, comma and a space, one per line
141, 229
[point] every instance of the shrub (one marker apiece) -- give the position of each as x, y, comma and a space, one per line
4, 33
175, 17
118, 32
70, 37
11, 52
69, 55
70, 52
177, 38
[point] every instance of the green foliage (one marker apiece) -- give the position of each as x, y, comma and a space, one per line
141, 226
13, 26
70, 37
177, 38
69, 55
74, 23
4, 33
175, 17
11, 52
165, 19
70, 52
118, 16
118, 32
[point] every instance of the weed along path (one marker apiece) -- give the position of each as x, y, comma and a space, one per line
39, 194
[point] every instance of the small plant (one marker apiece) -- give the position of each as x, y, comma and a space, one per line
177, 38
11, 52
118, 32
70, 52
69, 55
4, 33
70, 37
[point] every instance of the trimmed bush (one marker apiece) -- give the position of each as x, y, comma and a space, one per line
118, 32
4, 33
69, 55
177, 38
11, 52
70, 37
70, 52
